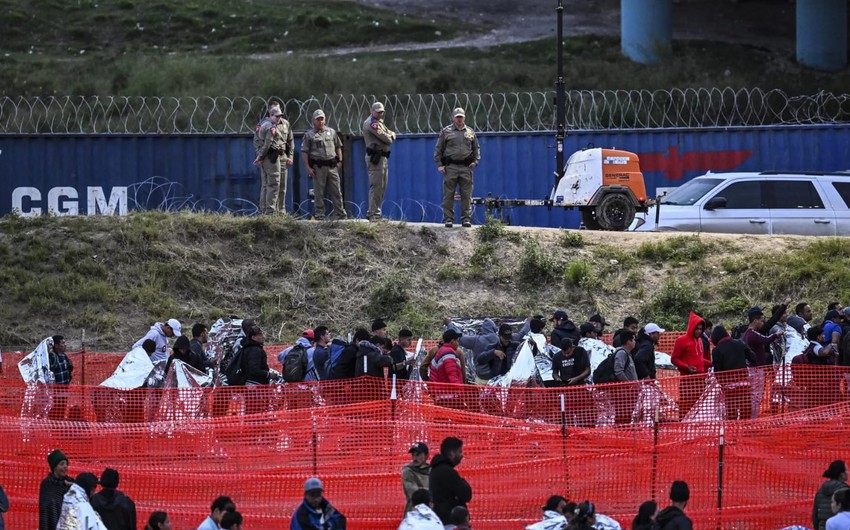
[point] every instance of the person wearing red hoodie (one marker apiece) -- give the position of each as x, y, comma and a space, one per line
689, 358
446, 368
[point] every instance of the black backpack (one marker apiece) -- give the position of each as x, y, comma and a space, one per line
738, 330
604, 372
233, 372
295, 364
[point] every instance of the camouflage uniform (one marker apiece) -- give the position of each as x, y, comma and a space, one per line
321, 148
269, 147
378, 139
456, 149
284, 130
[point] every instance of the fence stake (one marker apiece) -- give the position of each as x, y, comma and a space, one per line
83, 355
654, 478
720, 478
315, 448
564, 442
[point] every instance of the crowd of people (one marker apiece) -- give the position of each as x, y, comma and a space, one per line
436, 498
456, 154
576, 356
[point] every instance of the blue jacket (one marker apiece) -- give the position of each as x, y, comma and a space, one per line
324, 518
4, 507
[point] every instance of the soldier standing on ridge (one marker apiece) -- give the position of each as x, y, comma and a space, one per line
284, 131
321, 152
378, 139
456, 155
269, 146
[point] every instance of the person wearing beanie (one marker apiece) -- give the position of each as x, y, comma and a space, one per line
379, 328
182, 351
836, 475
116, 510
673, 517
52, 490
77, 511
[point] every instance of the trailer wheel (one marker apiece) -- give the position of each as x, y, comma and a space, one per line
589, 219
615, 212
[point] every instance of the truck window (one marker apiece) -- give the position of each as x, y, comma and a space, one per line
843, 189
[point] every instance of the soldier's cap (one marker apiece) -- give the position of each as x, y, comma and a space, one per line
319, 113
313, 484
377, 107
419, 447
275, 112
458, 112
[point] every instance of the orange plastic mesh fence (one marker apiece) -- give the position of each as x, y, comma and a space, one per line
177, 449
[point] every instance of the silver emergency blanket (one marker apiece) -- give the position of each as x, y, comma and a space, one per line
663, 360
551, 521
183, 375
421, 517
224, 340
35, 367
132, 372
793, 346
77, 513
603, 522
651, 399
473, 326
597, 351
524, 369
183, 396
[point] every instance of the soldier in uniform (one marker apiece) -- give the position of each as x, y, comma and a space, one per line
284, 130
456, 155
269, 146
321, 152
378, 139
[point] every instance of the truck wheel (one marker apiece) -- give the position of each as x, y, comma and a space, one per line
589, 219
615, 212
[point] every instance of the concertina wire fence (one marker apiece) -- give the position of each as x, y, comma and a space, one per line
425, 113
177, 449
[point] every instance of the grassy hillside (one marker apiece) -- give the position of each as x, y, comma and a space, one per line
114, 276
173, 48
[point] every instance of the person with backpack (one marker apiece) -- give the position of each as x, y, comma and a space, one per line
116, 510
371, 359
730, 359
689, 358
295, 359
343, 367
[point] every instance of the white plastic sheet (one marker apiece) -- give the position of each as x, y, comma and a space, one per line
132, 372
35, 367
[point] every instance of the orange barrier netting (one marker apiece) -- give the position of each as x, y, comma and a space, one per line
186, 446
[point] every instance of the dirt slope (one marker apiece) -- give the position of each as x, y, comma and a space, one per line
113, 277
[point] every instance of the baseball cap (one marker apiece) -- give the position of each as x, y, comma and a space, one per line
450, 335
599, 318
505, 330
458, 112
275, 112
586, 328
308, 333
418, 447
318, 113
559, 315
377, 107
109, 478
313, 484
755, 310
175, 325
652, 327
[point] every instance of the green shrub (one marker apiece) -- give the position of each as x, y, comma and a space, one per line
676, 249
578, 273
535, 265
670, 306
388, 297
572, 239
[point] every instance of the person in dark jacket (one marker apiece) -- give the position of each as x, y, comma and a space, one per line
836, 475
345, 365
496, 359
117, 511
401, 366
371, 359
63, 371
316, 513
673, 517
52, 490
630, 323
448, 488
563, 328
4, 507
182, 351
645, 518
198, 344
730, 359
644, 353
255, 365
